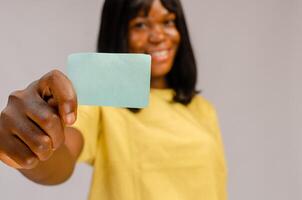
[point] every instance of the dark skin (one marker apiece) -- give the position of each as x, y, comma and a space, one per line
157, 35
34, 137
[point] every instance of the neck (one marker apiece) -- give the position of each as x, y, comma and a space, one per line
159, 83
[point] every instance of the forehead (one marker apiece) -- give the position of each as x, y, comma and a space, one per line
157, 9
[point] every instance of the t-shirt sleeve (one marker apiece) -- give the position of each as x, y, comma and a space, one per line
88, 118
206, 113
214, 122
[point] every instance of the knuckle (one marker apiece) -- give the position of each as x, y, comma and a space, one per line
5, 116
45, 140
52, 125
50, 77
50, 120
55, 74
29, 162
46, 118
16, 96
44, 145
54, 118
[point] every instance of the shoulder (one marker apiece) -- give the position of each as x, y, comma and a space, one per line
205, 111
202, 105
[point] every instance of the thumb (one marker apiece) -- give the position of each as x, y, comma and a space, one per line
58, 89
67, 111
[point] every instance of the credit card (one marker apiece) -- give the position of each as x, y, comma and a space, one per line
111, 79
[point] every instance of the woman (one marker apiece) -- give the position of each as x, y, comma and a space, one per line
170, 150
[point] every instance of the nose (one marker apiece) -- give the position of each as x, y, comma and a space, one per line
157, 34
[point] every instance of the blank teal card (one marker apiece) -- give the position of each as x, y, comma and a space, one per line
105, 79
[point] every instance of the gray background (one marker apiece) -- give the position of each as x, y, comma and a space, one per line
248, 55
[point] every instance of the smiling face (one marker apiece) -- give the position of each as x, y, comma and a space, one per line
155, 34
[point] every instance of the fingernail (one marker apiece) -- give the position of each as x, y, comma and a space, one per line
70, 118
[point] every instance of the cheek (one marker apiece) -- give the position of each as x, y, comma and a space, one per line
174, 36
137, 42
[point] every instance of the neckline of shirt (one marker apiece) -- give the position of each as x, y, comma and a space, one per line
166, 94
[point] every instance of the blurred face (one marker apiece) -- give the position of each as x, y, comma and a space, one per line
157, 35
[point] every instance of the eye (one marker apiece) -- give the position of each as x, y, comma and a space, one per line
169, 22
139, 25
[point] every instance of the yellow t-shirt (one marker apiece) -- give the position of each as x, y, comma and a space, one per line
167, 151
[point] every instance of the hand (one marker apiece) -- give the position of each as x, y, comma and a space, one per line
32, 123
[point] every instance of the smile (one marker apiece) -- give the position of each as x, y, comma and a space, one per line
161, 55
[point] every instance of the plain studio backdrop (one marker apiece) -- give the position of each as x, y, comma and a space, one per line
248, 54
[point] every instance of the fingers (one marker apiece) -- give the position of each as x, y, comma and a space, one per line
35, 139
32, 124
19, 126
8, 161
30, 130
17, 154
46, 118
57, 88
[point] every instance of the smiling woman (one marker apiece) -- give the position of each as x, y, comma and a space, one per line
171, 149
155, 34
148, 26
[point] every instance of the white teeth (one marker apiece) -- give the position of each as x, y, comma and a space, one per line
160, 53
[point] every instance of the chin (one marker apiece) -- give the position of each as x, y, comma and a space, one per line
160, 69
